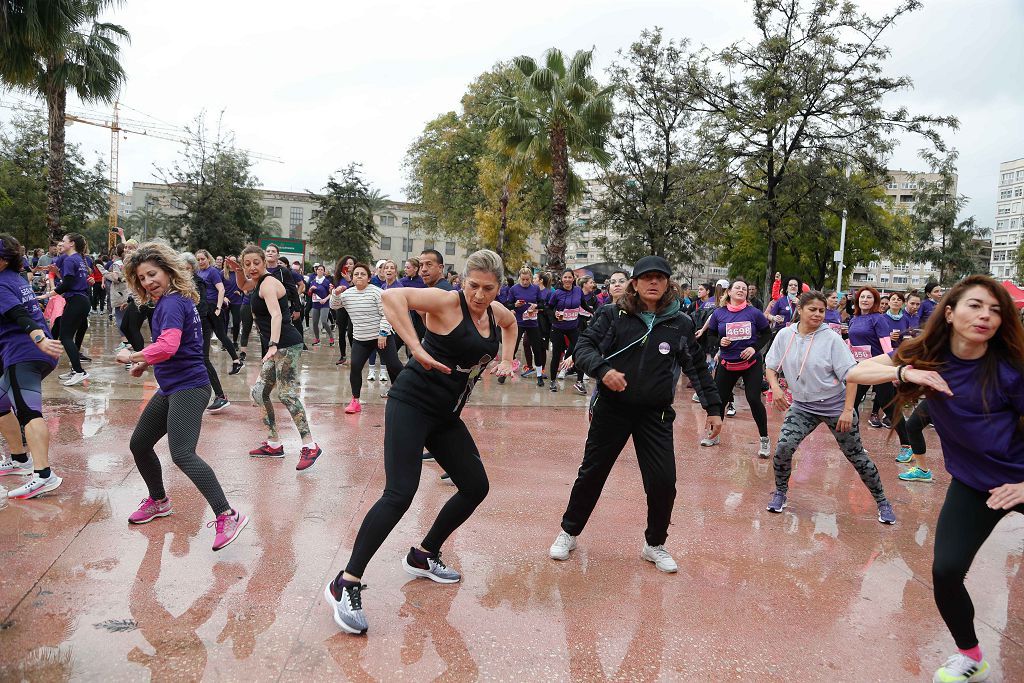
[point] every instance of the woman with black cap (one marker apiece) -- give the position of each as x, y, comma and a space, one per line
635, 348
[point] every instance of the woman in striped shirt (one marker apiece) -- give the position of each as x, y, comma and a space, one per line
370, 330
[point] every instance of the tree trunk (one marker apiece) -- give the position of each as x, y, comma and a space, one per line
559, 200
503, 226
56, 102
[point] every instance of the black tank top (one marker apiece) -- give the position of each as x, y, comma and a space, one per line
463, 350
261, 316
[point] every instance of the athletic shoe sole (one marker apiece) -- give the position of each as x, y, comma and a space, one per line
416, 571
72, 381
20, 473
217, 410
150, 518
238, 530
39, 491
778, 511
655, 563
266, 455
923, 481
329, 597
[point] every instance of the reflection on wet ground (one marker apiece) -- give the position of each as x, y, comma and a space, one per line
821, 592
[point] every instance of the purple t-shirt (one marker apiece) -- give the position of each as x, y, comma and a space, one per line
211, 278
927, 306
15, 345
414, 281
185, 369
784, 307
232, 294
569, 302
982, 443
913, 321
865, 331
531, 295
741, 327
832, 316
75, 266
901, 325
322, 289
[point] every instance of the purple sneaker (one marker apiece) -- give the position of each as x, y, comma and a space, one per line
228, 527
149, 510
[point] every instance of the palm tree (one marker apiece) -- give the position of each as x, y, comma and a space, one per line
48, 48
559, 114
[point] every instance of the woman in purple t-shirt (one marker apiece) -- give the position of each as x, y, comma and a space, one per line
565, 303
156, 273
74, 286
969, 362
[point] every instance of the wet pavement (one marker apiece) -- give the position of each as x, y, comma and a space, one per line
822, 592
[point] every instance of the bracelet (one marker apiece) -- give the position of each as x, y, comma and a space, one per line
383, 333
269, 344
899, 373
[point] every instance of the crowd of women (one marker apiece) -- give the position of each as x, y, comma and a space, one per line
954, 359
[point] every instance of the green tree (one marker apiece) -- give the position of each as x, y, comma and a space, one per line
70, 50
211, 183
345, 223
1018, 263
557, 115
149, 222
811, 86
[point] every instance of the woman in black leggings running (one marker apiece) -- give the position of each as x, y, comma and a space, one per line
157, 273
970, 363
74, 286
424, 409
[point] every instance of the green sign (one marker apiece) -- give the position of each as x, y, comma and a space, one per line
285, 244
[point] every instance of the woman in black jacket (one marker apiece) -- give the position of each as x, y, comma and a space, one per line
636, 349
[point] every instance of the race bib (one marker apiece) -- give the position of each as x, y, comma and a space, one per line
738, 331
861, 352
529, 315
570, 314
837, 328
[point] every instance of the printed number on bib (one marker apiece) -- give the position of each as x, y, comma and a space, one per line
530, 315
570, 314
861, 352
738, 331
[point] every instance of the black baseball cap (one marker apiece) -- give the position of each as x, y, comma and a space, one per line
651, 264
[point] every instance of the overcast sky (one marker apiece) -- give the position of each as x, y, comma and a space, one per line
323, 84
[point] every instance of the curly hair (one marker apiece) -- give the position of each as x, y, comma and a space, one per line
167, 260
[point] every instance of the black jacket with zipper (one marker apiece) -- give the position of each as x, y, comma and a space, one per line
651, 366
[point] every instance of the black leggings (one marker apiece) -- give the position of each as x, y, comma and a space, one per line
344, 330
179, 415
215, 324
916, 423
74, 322
235, 312
99, 296
964, 524
534, 347
884, 394
131, 325
211, 371
361, 352
726, 380
559, 347
407, 430
246, 313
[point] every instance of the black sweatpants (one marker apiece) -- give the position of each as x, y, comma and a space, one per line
99, 296
610, 428
74, 322
179, 415
234, 311
361, 351
535, 350
726, 380
131, 325
407, 430
885, 393
563, 342
964, 524
214, 324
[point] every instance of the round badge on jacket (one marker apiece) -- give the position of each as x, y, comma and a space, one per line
664, 348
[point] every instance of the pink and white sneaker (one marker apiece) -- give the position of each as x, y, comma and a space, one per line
228, 527
12, 466
353, 407
149, 510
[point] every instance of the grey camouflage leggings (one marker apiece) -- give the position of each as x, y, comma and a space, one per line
282, 371
795, 428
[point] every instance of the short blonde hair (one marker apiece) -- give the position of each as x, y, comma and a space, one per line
485, 261
167, 260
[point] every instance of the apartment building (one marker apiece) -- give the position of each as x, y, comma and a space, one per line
1008, 234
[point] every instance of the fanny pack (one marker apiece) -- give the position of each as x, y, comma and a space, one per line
738, 365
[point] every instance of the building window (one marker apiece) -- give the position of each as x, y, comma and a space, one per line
1002, 210
385, 243
1005, 194
428, 244
387, 221
1018, 191
314, 214
906, 198
273, 212
295, 215
1006, 178
406, 245
449, 248
581, 255
406, 221
295, 232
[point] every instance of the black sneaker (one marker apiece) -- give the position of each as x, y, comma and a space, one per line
431, 567
554, 387
236, 367
84, 358
580, 387
886, 422
347, 605
219, 404
501, 380
874, 421
540, 381
241, 356
341, 361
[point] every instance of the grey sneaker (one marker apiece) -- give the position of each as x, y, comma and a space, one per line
885, 513
432, 568
563, 545
219, 404
730, 410
765, 450
347, 605
660, 557
778, 502
708, 441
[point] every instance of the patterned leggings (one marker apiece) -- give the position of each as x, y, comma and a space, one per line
281, 372
795, 428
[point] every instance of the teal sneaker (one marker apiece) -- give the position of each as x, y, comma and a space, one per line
916, 474
905, 454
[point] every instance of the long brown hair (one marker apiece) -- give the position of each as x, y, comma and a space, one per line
630, 299
930, 349
167, 260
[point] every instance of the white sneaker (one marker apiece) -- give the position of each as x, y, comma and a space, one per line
660, 557
75, 378
65, 375
960, 667
382, 375
562, 546
561, 374
9, 466
766, 448
695, 398
730, 410
371, 376
708, 441
36, 487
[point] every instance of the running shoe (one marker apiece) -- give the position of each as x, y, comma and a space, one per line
886, 422
765, 449
553, 387
874, 421
12, 466
308, 456
708, 441
236, 367
580, 387
916, 474
447, 479
331, 341
660, 557
316, 342
122, 345
382, 375
501, 380
427, 457
241, 356
75, 378
778, 502
730, 410
149, 510
353, 407
265, 450
540, 381
528, 372
960, 668
84, 358
65, 375
229, 525
885, 513
431, 567
695, 398
906, 454
219, 404
35, 487
371, 376
564, 544
347, 605
561, 374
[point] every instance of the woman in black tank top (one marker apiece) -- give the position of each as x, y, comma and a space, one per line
424, 409
281, 343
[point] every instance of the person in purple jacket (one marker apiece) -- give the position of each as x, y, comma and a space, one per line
969, 363
565, 302
233, 303
27, 355
156, 273
318, 291
913, 312
213, 322
74, 287
932, 296
527, 301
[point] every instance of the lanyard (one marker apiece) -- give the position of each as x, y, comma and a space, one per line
806, 353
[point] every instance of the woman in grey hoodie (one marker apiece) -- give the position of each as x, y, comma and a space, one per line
815, 360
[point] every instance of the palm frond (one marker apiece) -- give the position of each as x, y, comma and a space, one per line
542, 80
555, 61
580, 65
525, 64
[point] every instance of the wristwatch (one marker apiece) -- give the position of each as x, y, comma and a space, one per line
269, 344
39, 338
